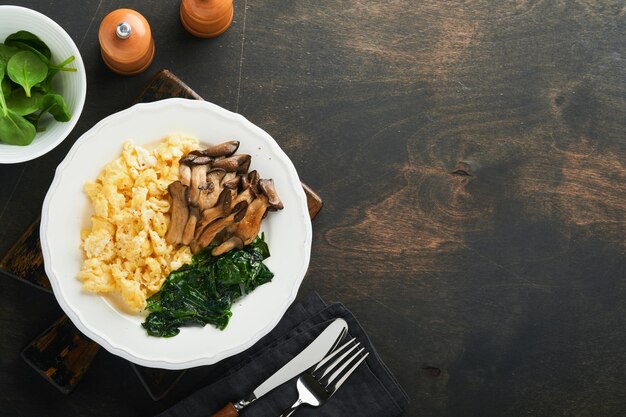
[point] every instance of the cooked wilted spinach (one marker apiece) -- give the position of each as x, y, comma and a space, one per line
203, 292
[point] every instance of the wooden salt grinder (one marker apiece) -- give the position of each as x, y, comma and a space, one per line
126, 42
206, 18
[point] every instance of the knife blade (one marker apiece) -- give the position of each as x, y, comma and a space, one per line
312, 354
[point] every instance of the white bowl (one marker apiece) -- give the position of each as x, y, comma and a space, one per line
71, 85
287, 232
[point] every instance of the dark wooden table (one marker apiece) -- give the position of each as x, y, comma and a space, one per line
471, 156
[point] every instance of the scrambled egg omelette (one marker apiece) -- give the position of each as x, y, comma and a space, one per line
125, 249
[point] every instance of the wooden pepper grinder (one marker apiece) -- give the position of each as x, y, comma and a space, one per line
126, 42
206, 18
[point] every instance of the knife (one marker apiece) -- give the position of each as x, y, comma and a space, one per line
311, 355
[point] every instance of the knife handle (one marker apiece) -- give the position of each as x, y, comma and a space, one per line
228, 410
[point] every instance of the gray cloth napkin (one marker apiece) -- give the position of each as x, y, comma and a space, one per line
371, 391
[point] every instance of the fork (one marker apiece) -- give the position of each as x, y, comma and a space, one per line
320, 382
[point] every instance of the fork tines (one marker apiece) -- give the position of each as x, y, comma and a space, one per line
335, 368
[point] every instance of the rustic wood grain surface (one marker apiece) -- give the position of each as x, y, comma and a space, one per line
470, 155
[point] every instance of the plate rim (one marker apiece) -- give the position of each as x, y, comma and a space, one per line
99, 338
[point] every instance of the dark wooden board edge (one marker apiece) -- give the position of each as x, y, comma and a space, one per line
61, 354
164, 85
24, 260
157, 382
313, 201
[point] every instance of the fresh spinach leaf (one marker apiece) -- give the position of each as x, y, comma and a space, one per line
3, 104
6, 52
15, 130
26, 40
26, 91
26, 69
45, 86
33, 119
5, 86
24, 47
203, 292
23, 105
56, 106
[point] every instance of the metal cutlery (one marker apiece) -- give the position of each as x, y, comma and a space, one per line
320, 382
311, 355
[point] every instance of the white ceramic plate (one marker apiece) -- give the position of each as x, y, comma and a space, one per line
66, 210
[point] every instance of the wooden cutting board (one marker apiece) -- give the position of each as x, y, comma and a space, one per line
62, 354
